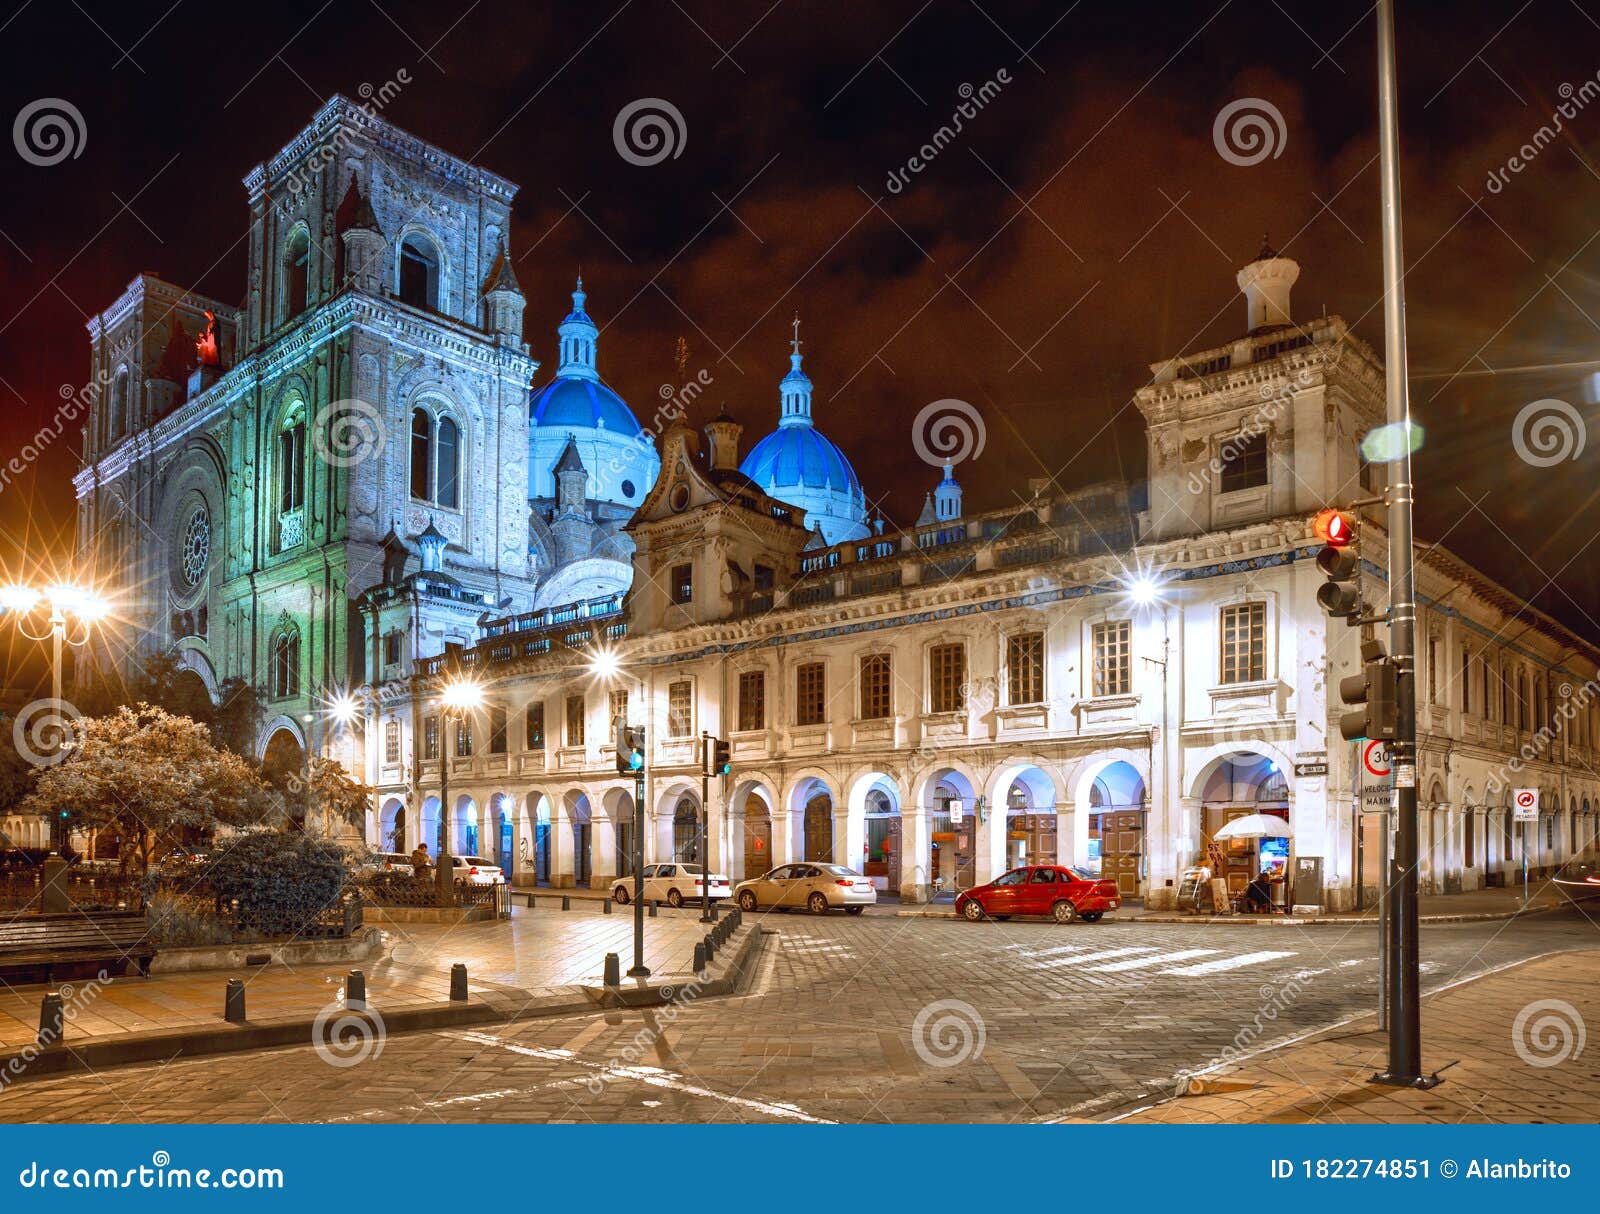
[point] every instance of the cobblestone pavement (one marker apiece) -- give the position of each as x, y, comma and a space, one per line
877, 1018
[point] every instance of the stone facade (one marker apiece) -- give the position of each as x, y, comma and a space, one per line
1104, 676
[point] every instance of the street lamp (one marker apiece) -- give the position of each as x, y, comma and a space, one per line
460, 696
66, 602
604, 664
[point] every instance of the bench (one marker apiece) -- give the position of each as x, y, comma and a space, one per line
77, 944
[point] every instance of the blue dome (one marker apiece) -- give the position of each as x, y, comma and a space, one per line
800, 457
585, 403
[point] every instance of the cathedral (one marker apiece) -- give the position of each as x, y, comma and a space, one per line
362, 483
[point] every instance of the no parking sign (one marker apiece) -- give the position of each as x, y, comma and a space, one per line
1525, 805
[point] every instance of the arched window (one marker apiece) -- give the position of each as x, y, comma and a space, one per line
286, 664
419, 272
292, 464
296, 264
448, 458
435, 459
421, 452
118, 423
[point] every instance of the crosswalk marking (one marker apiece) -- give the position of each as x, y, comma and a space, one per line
1140, 962
1105, 956
1226, 963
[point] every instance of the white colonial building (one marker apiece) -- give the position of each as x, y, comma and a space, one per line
1103, 676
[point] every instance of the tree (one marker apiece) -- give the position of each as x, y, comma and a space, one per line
341, 797
149, 777
236, 716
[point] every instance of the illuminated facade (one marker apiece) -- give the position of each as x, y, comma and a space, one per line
1104, 676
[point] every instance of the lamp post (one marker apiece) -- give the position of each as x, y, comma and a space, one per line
632, 743
460, 697
67, 603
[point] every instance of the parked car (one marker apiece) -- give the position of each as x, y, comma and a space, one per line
673, 884
1062, 893
386, 862
475, 870
816, 886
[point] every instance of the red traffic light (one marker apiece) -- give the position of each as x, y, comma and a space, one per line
1334, 528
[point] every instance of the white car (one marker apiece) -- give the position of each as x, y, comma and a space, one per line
674, 884
817, 887
476, 870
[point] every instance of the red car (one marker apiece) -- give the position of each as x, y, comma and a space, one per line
1062, 893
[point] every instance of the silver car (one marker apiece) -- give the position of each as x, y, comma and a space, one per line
815, 886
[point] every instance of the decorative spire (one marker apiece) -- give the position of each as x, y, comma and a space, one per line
579, 338
795, 389
501, 275
357, 210
432, 543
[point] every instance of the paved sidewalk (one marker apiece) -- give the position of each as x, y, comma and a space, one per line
538, 953
1510, 1046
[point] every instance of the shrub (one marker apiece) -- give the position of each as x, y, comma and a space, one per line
177, 923
281, 880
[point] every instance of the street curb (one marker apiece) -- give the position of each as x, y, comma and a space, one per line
653, 993
1280, 920
160, 1045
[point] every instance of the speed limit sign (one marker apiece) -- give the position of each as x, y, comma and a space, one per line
1525, 802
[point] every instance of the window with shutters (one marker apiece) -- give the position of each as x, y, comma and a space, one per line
875, 682
391, 742
810, 694
430, 737
497, 730
753, 699
1025, 668
1113, 658
947, 678
680, 709
574, 720
1244, 643
533, 726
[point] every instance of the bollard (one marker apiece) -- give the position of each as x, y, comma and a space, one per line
700, 958
713, 912
566, 901
613, 970
605, 907
653, 907
355, 990
710, 946
738, 917
233, 1002
51, 1020
458, 983
532, 899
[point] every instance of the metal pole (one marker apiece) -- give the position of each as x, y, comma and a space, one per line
1405, 1019
1524, 862
1385, 908
58, 631
639, 970
705, 827
443, 875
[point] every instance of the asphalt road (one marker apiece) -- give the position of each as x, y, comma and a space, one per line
876, 1019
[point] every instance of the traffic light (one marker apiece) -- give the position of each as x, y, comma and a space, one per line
630, 748
1338, 562
721, 757
1374, 690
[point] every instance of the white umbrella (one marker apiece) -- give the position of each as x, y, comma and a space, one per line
1256, 826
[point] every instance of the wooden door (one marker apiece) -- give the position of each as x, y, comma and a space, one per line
757, 844
1121, 849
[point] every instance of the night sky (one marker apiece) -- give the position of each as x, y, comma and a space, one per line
1083, 225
